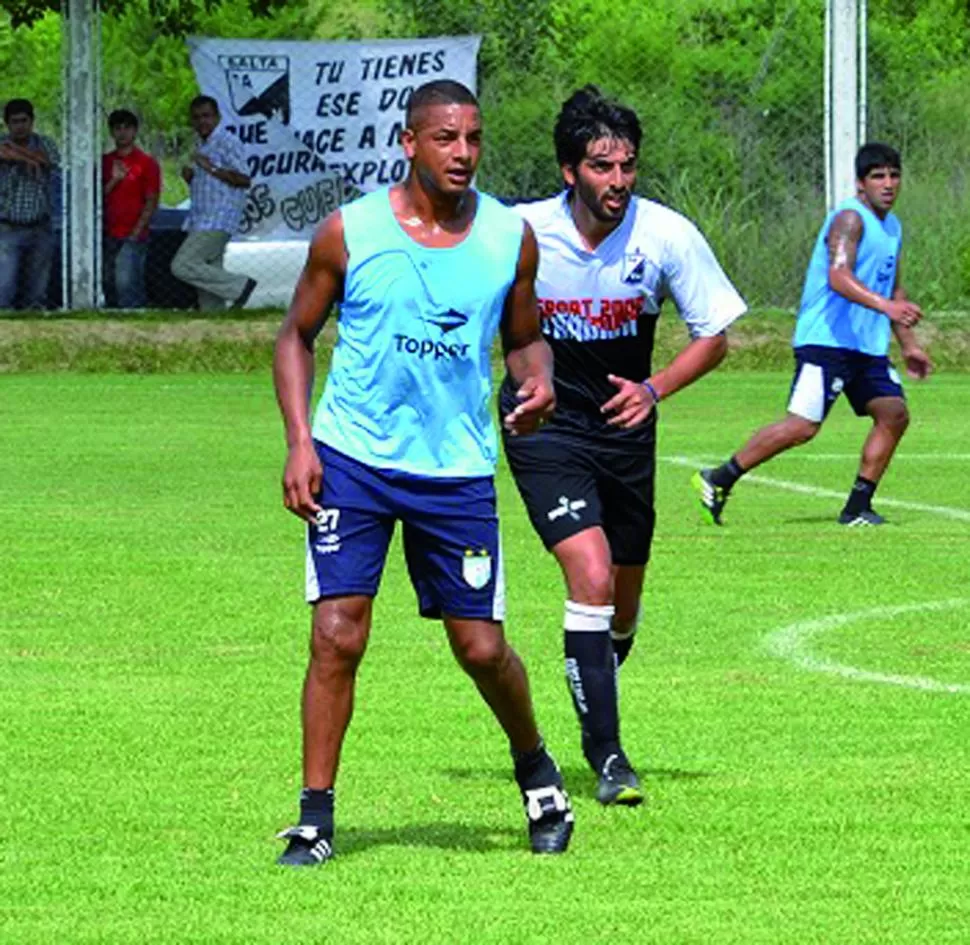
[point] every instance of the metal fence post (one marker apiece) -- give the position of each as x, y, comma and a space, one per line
80, 237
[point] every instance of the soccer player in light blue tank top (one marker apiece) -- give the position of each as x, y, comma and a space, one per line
426, 273
409, 386
832, 320
852, 302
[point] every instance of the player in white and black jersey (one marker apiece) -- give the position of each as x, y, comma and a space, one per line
607, 262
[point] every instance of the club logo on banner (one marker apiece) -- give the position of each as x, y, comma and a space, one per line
259, 85
320, 122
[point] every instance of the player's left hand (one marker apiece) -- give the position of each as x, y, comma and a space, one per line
537, 400
918, 363
630, 406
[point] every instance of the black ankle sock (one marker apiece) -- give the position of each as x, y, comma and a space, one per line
529, 759
860, 498
727, 474
316, 808
534, 768
591, 674
622, 648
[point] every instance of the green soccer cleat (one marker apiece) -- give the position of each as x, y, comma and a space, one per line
712, 498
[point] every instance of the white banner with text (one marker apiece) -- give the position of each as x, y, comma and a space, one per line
320, 122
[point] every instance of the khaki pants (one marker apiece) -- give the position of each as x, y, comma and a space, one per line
199, 262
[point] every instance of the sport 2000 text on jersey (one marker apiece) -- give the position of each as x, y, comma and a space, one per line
598, 308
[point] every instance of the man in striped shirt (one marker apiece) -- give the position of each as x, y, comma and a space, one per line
27, 162
218, 183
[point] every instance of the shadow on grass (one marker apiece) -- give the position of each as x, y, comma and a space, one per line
475, 838
830, 518
471, 838
575, 775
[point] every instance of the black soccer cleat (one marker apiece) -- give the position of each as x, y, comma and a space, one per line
862, 519
550, 817
618, 783
712, 498
547, 809
307, 846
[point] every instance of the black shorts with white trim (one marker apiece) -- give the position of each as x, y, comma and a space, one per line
570, 483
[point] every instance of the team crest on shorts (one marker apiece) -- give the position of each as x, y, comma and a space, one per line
476, 568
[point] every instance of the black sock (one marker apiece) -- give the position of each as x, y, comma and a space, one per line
860, 498
727, 474
316, 809
622, 648
535, 768
591, 674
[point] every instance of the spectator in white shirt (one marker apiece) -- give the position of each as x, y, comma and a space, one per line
218, 183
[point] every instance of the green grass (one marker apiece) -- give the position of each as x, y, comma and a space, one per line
153, 640
153, 342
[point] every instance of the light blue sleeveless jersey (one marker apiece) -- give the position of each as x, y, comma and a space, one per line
828, 319
410, 380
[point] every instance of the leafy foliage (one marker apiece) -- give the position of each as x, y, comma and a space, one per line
172, 17
729, 92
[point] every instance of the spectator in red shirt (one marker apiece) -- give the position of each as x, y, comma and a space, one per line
131, 181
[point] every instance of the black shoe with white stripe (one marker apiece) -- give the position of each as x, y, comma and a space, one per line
550, 817
861, 519
307, 846
547, 809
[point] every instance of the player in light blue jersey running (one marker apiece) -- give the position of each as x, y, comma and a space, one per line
426, 272
852, 301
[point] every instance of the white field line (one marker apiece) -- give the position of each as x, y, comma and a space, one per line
962, 515
791, 643
920, 457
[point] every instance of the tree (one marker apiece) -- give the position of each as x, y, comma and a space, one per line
171, 17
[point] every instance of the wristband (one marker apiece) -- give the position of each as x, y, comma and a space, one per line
652, 390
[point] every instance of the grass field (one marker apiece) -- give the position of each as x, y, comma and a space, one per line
808, 779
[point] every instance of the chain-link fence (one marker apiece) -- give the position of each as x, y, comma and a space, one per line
730, 95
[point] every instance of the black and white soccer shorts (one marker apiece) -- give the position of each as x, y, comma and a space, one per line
570, 483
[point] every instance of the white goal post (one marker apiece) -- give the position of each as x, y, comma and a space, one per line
845, 94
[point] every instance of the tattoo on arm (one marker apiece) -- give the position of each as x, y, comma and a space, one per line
843, 240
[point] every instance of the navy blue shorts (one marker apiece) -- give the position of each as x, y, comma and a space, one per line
450, 531
821, 374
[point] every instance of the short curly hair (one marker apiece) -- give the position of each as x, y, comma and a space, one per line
588, 115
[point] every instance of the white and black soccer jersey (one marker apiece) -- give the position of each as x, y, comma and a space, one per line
598, 308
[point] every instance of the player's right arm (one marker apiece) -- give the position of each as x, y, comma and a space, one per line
320, 285
844, 237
